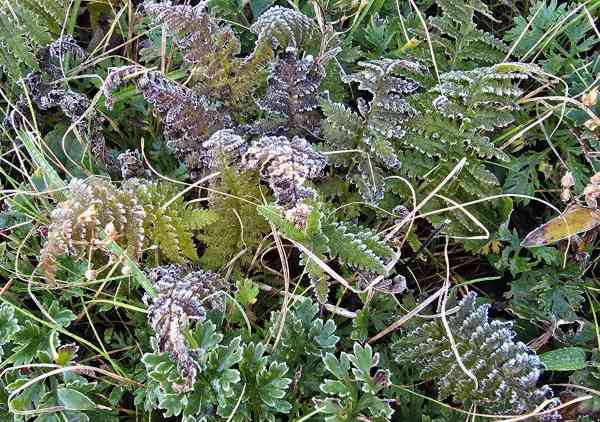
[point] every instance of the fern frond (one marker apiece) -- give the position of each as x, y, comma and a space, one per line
459, 38
281, 27
223, 147
382, 120
286, 164
359, 248
453, 121
183, 295
507, 371
240, 228
25, 27
212, 49
291, 100
188, 118
93, 206
172, 228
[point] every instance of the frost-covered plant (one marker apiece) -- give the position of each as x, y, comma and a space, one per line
305, 339
458, 41
507, 371
183, 295
233, 378
291, 100
189, 119
25, 27
212, 49
454, 120
223, 147
94, 211
283, 27
378, 122
131, 164
353, 246
133, 215
286, 165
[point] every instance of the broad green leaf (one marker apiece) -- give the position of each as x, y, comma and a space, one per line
565, 359
74, 400
8, 324
247, 293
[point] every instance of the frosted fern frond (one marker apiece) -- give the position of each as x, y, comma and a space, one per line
291, 100
454, 119
197, 33
212, 50
25, 27
357, 247
188, 118
507, 371
286, 164
466, 104
93, 205
224, 146
52, 58
283, 27
115, 78
184, 295
389, 82
131, 164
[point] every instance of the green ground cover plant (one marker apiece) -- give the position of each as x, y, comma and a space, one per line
303, 210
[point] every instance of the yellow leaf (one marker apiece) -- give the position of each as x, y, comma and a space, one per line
491, 247
575, 220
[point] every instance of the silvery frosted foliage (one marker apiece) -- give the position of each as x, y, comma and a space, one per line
53, 58
94, 206
292, 96
184, 295
224, 145
283, 27
114, 79
507, 371
46, 95
131, 164
286, 164
389, 82
379, 122
483, 97
197, 33
72, 103
189, 119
